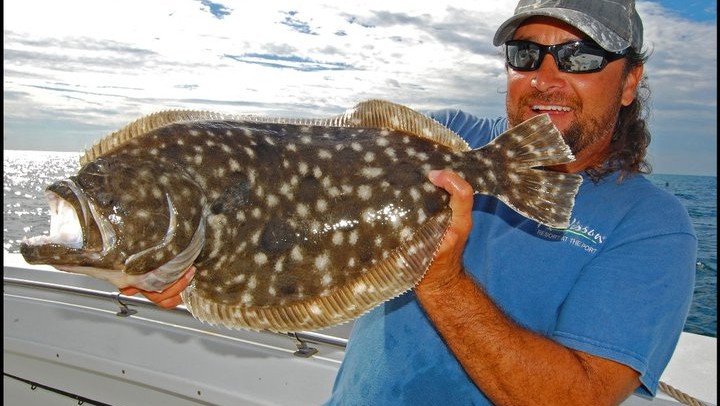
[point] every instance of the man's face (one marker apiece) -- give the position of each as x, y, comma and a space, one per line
583, 106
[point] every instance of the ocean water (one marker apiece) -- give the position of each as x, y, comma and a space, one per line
27, 173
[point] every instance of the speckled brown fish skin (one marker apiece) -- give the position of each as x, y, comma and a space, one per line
295, 226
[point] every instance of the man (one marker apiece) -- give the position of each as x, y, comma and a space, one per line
512, 312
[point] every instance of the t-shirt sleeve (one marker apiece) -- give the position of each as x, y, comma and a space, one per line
475, 130
639, 289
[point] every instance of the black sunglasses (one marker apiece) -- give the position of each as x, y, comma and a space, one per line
571, 57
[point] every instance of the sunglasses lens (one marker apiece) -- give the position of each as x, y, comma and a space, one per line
580, 58
523, 55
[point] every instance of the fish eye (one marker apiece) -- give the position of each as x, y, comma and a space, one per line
105, 199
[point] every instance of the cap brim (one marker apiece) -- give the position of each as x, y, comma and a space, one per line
598, 32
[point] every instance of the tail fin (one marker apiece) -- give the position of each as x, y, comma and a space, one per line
517, 157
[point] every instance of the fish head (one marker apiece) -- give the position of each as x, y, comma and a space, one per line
129, 221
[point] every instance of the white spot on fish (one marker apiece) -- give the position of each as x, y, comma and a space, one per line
296, 254
327, 182
272, 201
324, 154
421, 216
260, 258
315, 309
364, 192
372, 172
360, 288
252, 283
321, 205
249, 152
256, 237
326, 280
415, 194
286, 190
338, 238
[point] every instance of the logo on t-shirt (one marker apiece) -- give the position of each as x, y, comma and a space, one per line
577, 234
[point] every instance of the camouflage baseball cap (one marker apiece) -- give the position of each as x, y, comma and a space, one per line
613, 24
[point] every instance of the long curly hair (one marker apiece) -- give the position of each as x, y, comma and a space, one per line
631, 138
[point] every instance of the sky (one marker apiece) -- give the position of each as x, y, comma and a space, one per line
76, 70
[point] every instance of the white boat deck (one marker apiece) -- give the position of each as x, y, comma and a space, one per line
64, 344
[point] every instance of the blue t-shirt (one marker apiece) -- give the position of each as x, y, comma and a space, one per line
617, 284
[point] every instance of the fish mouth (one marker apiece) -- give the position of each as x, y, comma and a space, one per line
76, 227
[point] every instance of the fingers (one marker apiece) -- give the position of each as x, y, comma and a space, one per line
129, 291
168, 298
461, 198
447, 265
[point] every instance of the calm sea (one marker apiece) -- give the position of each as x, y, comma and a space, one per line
27, 173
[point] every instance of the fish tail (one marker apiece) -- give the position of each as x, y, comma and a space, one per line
513, 165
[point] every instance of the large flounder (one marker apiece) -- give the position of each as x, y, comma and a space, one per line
292, 224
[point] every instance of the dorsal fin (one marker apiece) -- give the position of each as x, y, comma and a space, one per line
144, 125
381, 114
384, 114
370, 113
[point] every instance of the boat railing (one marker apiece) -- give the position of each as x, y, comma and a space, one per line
124, 310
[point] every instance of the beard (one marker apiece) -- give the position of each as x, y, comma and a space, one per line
584, 131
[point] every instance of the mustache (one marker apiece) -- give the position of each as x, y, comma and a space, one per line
537, 97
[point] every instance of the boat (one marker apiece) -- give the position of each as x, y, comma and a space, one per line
69, 338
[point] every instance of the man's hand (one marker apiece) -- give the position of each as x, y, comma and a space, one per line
168, 298
447, 264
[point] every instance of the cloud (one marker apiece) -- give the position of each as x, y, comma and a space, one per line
102, 64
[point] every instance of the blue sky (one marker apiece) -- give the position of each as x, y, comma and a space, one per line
83, 68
